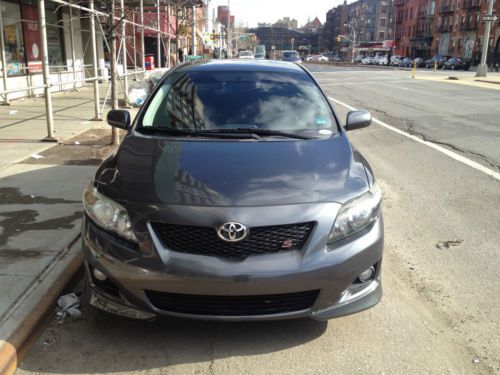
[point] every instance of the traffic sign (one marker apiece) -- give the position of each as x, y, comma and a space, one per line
489, 18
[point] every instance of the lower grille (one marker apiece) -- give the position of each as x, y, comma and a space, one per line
232, 305
260, 240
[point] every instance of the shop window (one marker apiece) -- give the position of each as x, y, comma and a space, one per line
13, 37
55, 40
31, 32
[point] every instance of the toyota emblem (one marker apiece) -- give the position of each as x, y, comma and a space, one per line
232, 231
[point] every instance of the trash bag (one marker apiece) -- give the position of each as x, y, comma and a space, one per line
138, 93
69, 304
155, 75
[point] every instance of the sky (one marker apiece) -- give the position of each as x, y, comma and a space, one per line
253, 11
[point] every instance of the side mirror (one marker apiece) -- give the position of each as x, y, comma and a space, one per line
357, 120
119, 119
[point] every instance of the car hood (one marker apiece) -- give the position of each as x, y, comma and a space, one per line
232, 172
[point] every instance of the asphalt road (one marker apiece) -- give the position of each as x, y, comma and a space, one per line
440, 313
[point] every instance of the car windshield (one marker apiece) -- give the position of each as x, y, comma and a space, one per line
245, 53
205, 100
289, 55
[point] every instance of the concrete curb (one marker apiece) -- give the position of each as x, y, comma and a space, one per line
19, 333
487, 81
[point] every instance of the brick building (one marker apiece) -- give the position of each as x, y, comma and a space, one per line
459, 29
372, 21
335, 25
222, 16
447, 27
414, 27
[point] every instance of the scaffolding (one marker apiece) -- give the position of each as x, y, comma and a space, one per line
117, 22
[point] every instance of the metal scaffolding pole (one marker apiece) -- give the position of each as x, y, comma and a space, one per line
45, 68
193, 33
97, 112
135, 46
72, 43
98, 13
158, 36
143, 47
168, 63
124, 55
4, 63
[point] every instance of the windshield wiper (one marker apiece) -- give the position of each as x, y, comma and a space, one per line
172, 131
259, 132
194, 133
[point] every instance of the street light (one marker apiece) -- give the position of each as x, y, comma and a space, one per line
353, 41
352, 28
488, 19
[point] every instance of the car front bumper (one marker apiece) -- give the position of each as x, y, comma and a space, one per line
331, 271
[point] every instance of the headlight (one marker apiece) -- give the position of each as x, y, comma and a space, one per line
107, 213
357, 214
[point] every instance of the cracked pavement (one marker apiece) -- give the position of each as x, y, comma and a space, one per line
463, 118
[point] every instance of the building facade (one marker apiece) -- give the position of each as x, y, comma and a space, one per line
460, 30
335, 25
287, 23
367, 23
70, 53
447, 27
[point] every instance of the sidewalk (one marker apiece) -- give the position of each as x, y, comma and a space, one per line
492, 81
40, 208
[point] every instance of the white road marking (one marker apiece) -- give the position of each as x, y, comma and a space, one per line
357, 78
451, 154
366, 82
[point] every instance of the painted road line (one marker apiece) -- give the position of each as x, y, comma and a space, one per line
366, 83
451, 154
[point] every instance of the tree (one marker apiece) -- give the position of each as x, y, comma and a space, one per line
110, 25
183, 11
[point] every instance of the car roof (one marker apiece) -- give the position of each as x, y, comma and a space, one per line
241, 65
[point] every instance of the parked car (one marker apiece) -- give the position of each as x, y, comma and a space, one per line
245, 55
358, 59
456, 63
382, 60
292, 56
395, 60
420, 62
406, 63
438, 60
210, 210
336, 58
368, 60
316, 58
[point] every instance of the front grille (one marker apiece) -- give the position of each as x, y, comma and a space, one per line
260, 240
232, 305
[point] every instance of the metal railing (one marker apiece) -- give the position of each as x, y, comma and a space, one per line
93, 14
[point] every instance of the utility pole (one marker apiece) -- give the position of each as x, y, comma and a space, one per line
489, 18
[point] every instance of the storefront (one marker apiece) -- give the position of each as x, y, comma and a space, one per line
22, 37
23, 50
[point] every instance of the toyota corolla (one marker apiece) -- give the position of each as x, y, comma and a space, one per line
235, 195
